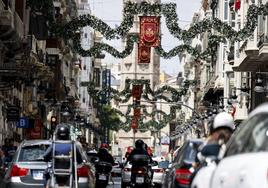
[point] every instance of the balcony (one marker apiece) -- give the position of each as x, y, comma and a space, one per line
2, 6
10, 70
19, 27
11, 26
249, 57
263, 48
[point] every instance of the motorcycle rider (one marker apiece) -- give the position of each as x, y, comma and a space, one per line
140, 150
220, 132
104, 155
62, 133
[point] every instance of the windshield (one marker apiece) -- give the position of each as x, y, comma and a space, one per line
191, 152
32, 153
252, 137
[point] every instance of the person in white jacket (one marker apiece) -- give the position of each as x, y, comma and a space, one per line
221, 131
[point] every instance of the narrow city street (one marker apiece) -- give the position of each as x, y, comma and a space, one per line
164, 93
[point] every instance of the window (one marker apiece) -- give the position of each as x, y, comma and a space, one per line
226, 10
85, 35
32, 153
252, 137
233, 19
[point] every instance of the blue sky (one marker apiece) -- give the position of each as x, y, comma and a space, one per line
111, 12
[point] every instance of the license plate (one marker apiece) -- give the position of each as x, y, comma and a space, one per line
102, 177
38, 175
139, 179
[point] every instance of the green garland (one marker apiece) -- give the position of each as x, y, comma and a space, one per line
144, 124
147, 94
169, 12
99, 47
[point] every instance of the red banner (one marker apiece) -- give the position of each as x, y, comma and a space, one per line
136, 91
137, 112
144, 54
149, 31
134, 123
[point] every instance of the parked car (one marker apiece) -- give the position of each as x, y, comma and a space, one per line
245, 159
179, 173
27, 168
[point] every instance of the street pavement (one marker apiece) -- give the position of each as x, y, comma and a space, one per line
116, 183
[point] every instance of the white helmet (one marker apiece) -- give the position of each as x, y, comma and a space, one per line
223, 119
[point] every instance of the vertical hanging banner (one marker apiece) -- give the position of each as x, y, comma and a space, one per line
149, 31
237, 5
136, 91
134, 123
144, 54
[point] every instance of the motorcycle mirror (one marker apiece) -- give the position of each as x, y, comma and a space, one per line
94, 160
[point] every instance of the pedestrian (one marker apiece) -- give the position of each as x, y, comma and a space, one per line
11, 150
5, 146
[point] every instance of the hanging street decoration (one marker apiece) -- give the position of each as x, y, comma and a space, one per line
149, 31
146, 121
136, 91
237, 5
144, 54
136, 95
167, 10
147, 93
140, 89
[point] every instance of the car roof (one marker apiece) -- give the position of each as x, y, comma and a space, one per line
35, 142
40, 141
263, 108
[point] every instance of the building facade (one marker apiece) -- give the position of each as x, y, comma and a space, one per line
130, 69
40, 73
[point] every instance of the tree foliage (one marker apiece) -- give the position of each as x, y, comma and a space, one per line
109, 118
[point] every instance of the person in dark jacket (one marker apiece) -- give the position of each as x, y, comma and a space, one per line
139, 150
104, 154
62, 133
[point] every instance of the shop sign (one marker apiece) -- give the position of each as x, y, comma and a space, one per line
13, 113
23, 122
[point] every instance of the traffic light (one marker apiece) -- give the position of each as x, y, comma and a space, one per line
53, 121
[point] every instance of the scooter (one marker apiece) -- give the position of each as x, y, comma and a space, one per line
103, 173
141, 173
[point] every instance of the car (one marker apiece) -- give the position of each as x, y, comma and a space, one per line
28, 166
244, 162
117, 170
92, 155
159, 172
126, 175
179, 174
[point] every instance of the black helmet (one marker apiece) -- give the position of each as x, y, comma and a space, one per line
63, 132
139, 144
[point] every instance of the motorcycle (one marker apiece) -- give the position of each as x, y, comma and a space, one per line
103, 173
141, 173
